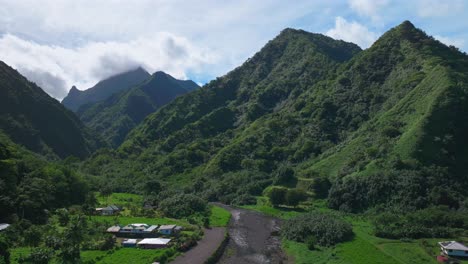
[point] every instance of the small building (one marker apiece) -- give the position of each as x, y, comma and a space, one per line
129, 243
153, 243
167, 229
134, 228
109, 210
453, 249
4, 226
113, 229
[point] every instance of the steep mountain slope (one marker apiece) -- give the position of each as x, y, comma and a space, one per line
35, 120
116, 116
104, 89
384, 125
191, 130
31, 185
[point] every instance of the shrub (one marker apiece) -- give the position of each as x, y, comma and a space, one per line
295, 196
183, 205
328, 229
277, 195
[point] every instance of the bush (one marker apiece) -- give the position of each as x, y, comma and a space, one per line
277, 195
328, 229
431, 222
295, 196
310, 242
183, 205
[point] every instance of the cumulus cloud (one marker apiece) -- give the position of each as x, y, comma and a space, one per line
83, 41
368, 8
352, 32
451, 41
438, 8
57, 68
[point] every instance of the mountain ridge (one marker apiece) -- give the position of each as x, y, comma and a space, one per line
114, 117
104, 89
30, 117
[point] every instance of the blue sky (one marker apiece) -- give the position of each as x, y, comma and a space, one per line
58, 44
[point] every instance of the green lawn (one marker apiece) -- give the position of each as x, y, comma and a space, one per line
125, 220
263, 206
126, 255
122, 199
219, 216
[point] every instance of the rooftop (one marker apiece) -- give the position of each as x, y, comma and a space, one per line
154, 241
454, 245
151, 228
129, 241
167, 227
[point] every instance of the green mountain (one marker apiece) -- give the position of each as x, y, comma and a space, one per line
35, 120
381, 126
115, 117
104, 89
31, 185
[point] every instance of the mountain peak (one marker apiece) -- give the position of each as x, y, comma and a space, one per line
105, 88
74, 90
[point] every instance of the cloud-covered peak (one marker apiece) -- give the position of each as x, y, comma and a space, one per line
56, 68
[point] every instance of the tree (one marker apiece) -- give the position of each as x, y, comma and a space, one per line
284, 175
4, 249
33, 236
90, 203
63, 216
321, 186
152, 187
277, 195
295, 196
38, 256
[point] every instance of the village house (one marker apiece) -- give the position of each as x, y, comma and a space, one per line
134, 230
129, 243
166, 229
453, 249
153, 243
109, 210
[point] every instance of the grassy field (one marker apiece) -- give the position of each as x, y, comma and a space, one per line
125, 256
125, 220
364, 248
122, 199
121, 255
219, 216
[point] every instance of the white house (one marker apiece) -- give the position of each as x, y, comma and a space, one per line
453, 249
150, 243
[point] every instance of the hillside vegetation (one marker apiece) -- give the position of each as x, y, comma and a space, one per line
379, 125
104, 89
33, 119
114, 117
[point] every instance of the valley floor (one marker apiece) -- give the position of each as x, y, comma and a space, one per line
205, 248
364, 248
254, 238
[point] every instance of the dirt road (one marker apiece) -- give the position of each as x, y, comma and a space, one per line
205, 248
252, 239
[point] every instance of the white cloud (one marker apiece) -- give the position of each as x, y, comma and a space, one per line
57, 68
439, 8
67, 38
459, 43
370, 8
352, 32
